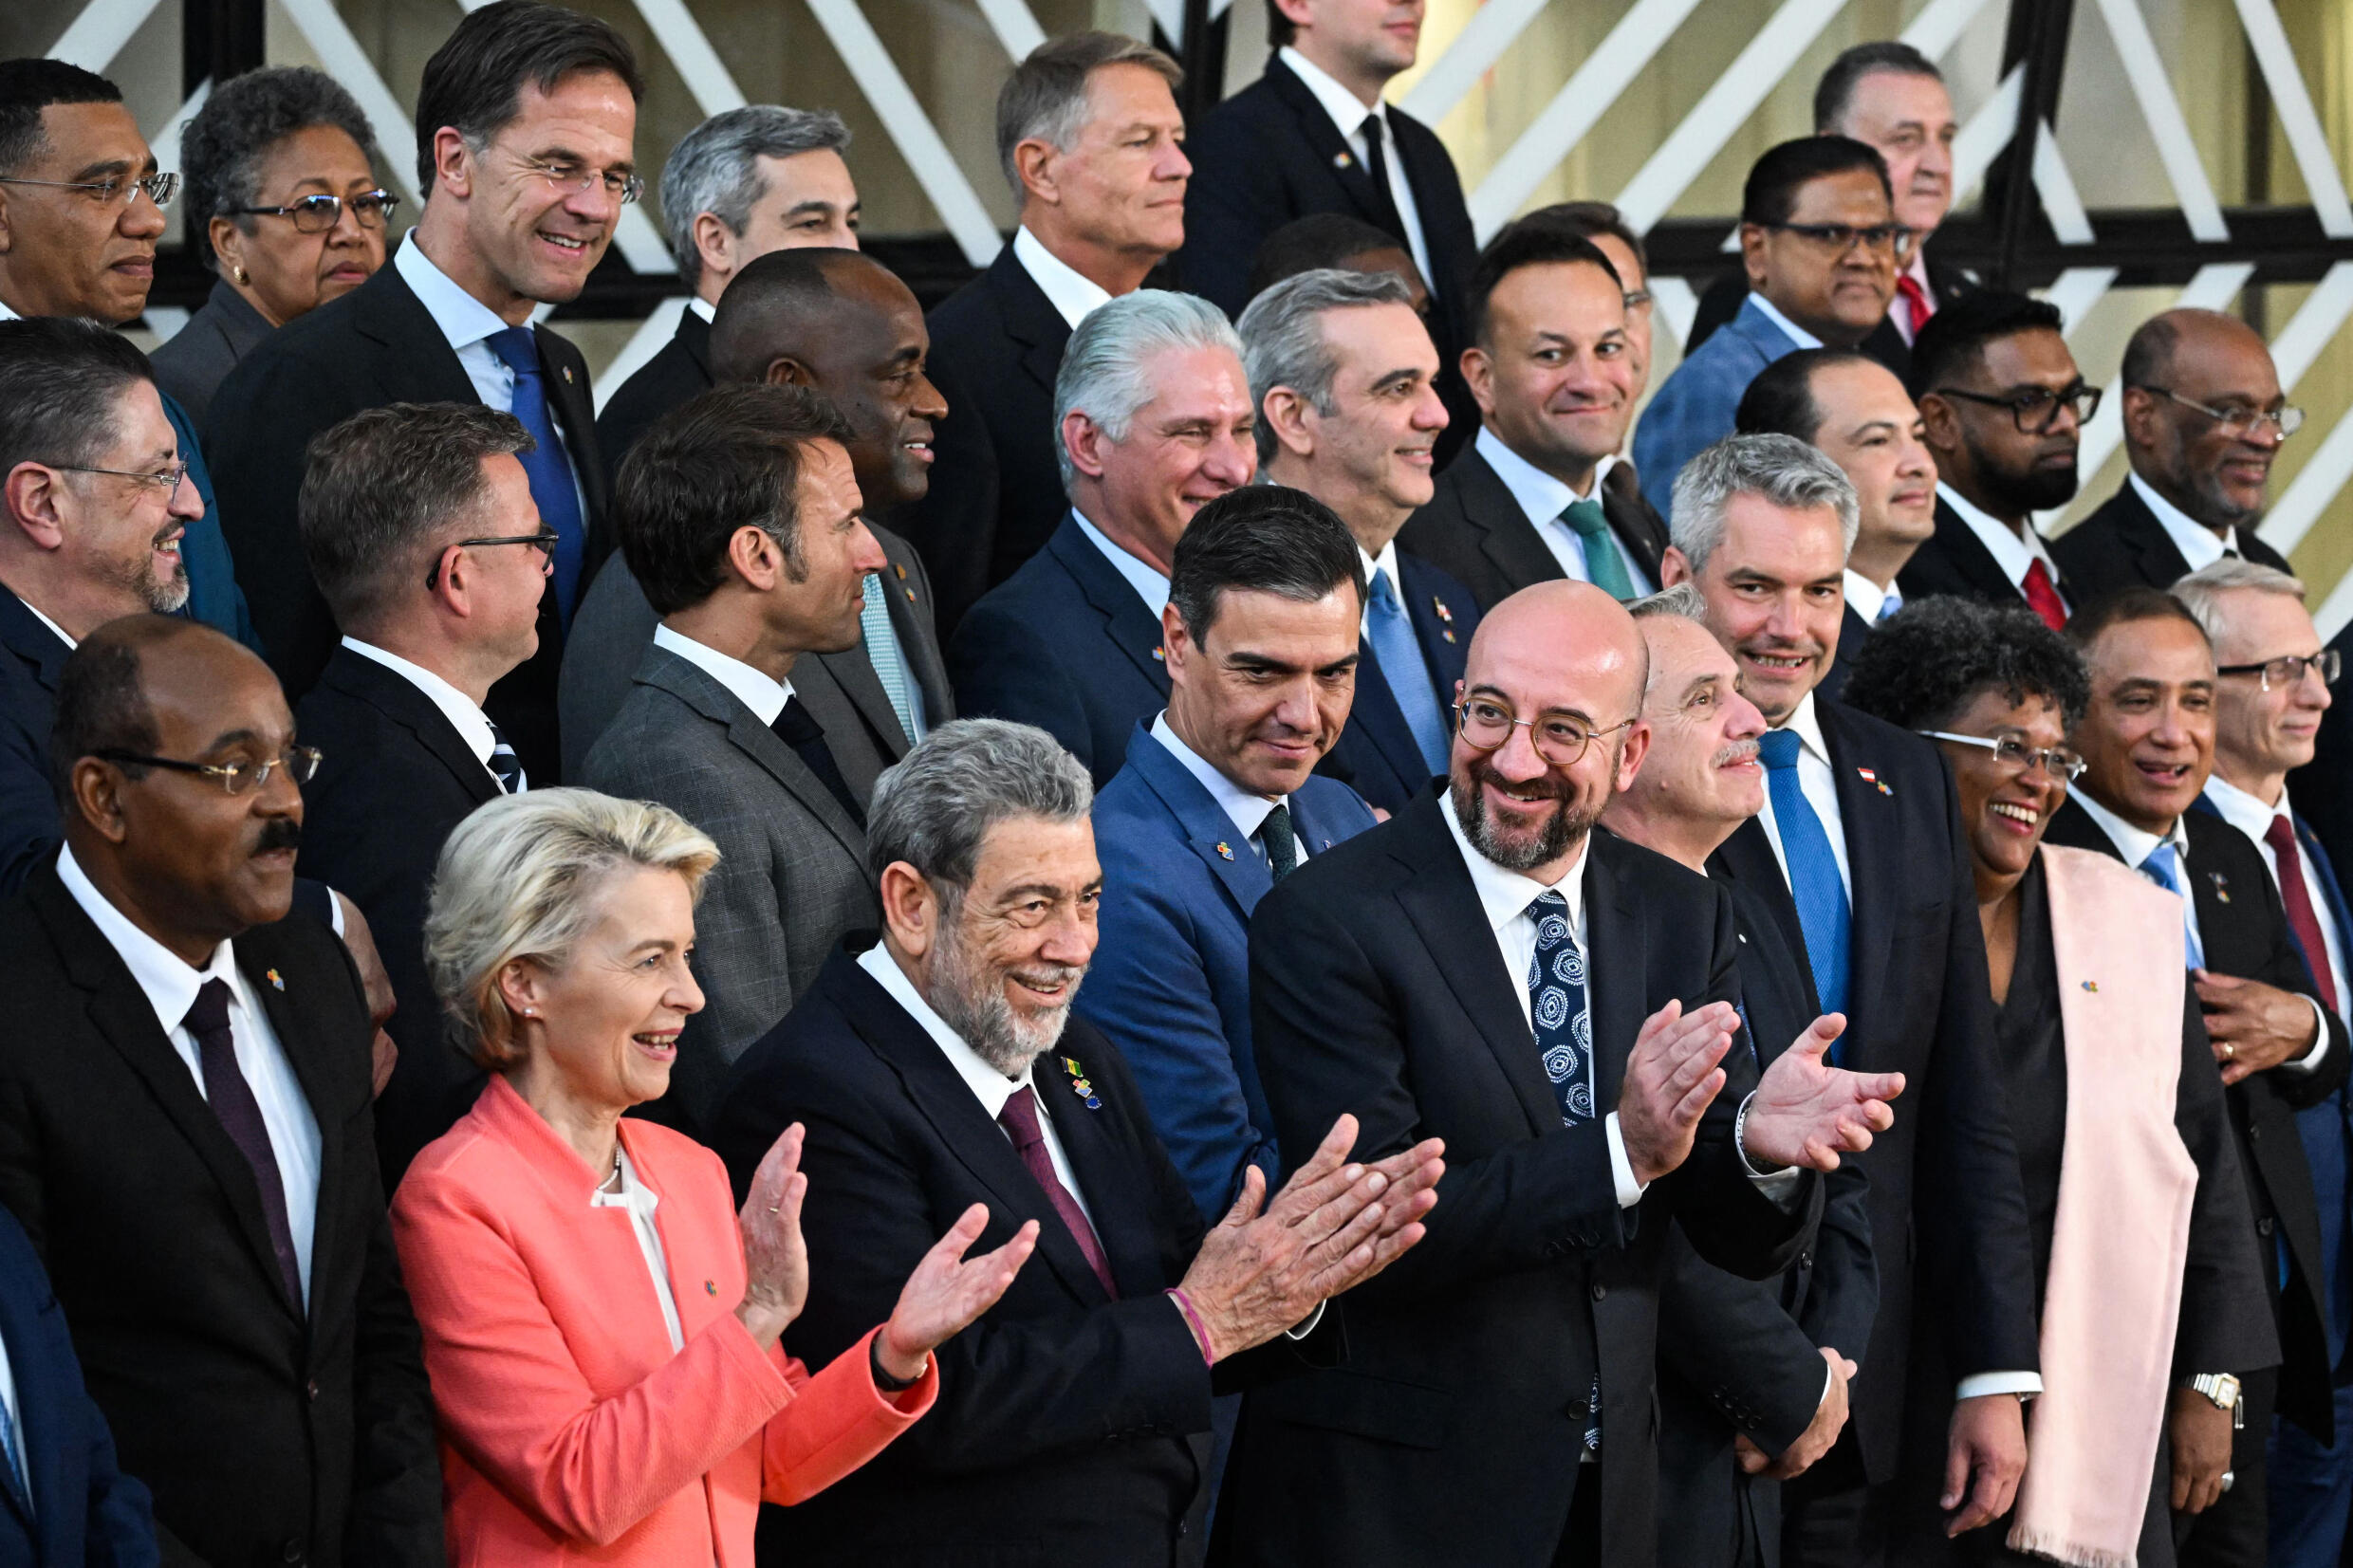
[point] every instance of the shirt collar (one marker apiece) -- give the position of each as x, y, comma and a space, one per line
755, 689
2198, 543
1797, 334
1376, 566
463, 320
1346, 110
2242, 810
1805, 723
1503, 895
1868, 599
8, 315
2134, 843
169, 984
1244, 809
702, 308
1141, 573
991, 1087
464, 716
1539, 495
45, 620
1073, 295
2012, 554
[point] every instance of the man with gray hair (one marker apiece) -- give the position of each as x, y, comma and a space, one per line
1343, 373
1090, 138
741, 184
942, 1069
1858, 840
1153, 415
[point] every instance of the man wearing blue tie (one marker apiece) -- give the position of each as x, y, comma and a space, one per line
1344, 375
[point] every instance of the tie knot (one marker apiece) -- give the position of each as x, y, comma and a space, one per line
2163, 867
1383, 591
795, 725
1586, 518
209, 1013
2281, 835
1020, 1117
516, 349
1778, 747
1547, 902
1371, 129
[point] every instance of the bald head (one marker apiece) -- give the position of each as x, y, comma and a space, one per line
2214, 469
1569, 631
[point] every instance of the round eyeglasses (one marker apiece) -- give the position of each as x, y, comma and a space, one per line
1560, 739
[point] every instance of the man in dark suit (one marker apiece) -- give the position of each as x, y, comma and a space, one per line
507, 226
841, 325
941, 1069
419, 529
1858, 855
1556, 375
1344, 375
1153, 416
2003, 407
2325, 785
186, 1136
743, 183
1096, 216
2148, 739
2204, 418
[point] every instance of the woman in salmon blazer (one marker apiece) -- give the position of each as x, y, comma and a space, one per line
600, 1326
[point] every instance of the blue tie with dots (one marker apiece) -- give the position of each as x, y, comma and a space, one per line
1563, 1027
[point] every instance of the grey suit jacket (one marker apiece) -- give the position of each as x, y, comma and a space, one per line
615, 624
792, 879
197, 358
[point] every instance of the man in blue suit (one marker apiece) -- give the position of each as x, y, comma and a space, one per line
1216, 802
1342, 372
1821, 243
1152, 418
2272, 692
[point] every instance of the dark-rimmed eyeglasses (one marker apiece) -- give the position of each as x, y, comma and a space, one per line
317, 213
169, 476
2014, 753
1560, 739
545, 541
1894, 239
160, 187
2287, 669
300, 761
2034, 409
2238, 419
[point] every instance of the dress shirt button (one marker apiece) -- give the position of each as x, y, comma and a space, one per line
2254, 1133
311, 1388
2263, 1226
1600, 1291
291, 1552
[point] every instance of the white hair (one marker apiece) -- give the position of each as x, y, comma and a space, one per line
1109, 371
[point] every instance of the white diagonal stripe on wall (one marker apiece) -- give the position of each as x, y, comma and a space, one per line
682, 38
1475, 51
1940, 24
1985, 133
321, 27
2307, 140
1015, 28
2145, 71
93, 38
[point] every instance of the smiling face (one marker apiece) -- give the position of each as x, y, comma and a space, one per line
68, 252
2003, 810
609, 1015
1188, 445
1870, 429
1909, 119
1700, 778
1838, 295
2217, 477
869, 360
288, 272
2149, 734
1776, 590
1554, 376
2260, 734
1014, 946
1631, 280
817, 610
1371, 458
1264, 693
530, 239
122, 535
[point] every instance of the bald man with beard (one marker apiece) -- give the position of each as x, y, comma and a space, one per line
840, 324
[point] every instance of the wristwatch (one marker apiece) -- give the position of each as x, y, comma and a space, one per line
2222, 1387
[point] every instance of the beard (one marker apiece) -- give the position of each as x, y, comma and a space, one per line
161, 592
1523, 851
2029, 489
2214, 507
968, 995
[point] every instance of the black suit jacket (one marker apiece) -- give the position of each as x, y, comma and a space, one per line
1376, 754
2244, 928
31, 659
396, 777
2124, 545
1473, 529
1948, 1213
2324, 786
681, 369
1720, 302
1454, 1432
1853, 632
267, 1436
1955, 561
375, 345
996, 493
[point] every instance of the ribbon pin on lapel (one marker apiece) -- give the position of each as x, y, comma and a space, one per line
2091, 985
1342, 160
1225, 849
1078, 1082
2222, 886
272, 976
1159, 655
1445, 615
1874, 780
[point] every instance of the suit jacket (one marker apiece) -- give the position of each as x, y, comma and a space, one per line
265, 1435
614, 625
2324, 786
790, 881
2122, 545
1454, 1431
214, 596
1169, 985
1853, 632
1955, 561
537, 1312
1948, 1215
1694, 408
2327, 1126
1065, 644
1376, 755
996, 492
1473, 529
2245, 932
375, 345
31, 659
395, 778
679, 369
1721, 301
191, 364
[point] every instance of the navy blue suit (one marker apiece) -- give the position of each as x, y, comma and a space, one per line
1693, 408
1065, 644
1169, 985
1376, 756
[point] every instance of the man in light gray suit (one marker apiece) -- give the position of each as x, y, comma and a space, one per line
841, 324
738, 515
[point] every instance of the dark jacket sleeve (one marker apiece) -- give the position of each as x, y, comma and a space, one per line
29, 821
1730, 1340
2226, 1321
1842, 1297
2285, 968
259, 427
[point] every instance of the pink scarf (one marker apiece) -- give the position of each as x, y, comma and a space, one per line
2121, 1238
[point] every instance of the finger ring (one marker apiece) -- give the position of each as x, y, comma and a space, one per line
775, 1208
2229, 1051
2227, 1477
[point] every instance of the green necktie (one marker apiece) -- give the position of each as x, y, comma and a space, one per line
1605, 567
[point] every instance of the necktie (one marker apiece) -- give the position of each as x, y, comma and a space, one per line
1282, 841
2043, 598
1020, 1118
1563, 1023
1914, 302
888, 659
231, 1098
1376, 168
2302, 918
12, 1450
1814, 883
2163, 867
1605, 567
800, 730
1890, 605
1391, 632
505, 763
546, 464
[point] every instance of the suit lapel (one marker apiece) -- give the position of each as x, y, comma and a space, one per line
1105, 1175
1505, 536
853, 672
1331, 148
1747, 858
1615, 965
1127, 623
906, 590
422, 364
1874, 853
301, 1048
2155, 557
1376, 717
365, 680
1219, 844
693, 335
43, 651
1638, 528
2331, 890
1971, 558
1029, 317
1443, 640
755, 740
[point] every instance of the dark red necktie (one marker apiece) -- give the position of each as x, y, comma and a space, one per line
1915, 301
1020, 1117
2302, 917
232, 1101
2044, 598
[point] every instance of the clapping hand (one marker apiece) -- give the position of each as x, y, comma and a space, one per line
775, 1259
1807, 1113
947, 1291
1670, 1078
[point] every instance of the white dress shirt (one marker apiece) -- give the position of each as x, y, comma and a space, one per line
464, 716
2014, 555
2252, 817
2199, 545
755, 688
1073, 295
1151, 585
702, 308
1816, 781
1542, 500
50, 625
1247, 811
170, 986
641, 1201
1348, 113
1869, 600
1796, 334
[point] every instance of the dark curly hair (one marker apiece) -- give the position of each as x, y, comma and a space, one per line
1935, 656
222, 150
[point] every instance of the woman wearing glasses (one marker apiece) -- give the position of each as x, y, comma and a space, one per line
280, 187
2147, 1278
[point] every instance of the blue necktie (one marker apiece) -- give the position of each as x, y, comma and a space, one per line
1391, 632
2163, 867
1813, 872
1889, 605
889, 660
504, 764
1564, 1027
546, 464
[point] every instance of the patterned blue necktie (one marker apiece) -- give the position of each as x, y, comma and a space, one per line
889, 660
1564, 1026
546, 464
1391, 632
2163, 867
1814, 883
504, 763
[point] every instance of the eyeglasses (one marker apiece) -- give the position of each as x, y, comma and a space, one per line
545, 542
300, 763
622, 188
1560, 739
316, 215
1892, 238
108, 193
169, 476
2238, 419
2033, 409
2285, 672
2013, 754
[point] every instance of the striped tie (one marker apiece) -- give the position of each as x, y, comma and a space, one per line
890, 663
505, 764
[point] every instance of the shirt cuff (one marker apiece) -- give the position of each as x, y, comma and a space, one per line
1621, 1169
2311, 1058
2025, 1385
1306, 1325
1779, 1187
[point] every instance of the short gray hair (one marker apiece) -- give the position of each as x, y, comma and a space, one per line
1282, 339
2202, 592
1106, 371
519, 878
934, 810
222, 149
1045, 99
1780, 469
1683, 601
715, 169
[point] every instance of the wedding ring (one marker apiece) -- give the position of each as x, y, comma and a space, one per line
776, 1208
2227, 1477
2229, 1051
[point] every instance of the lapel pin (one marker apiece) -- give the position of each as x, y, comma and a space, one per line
1873, 780
711, 1287
2091, 985
1342, 161
911, 596
900, 570
1159, 655
274, 977
1079, 1086
2222, 886
1445, 615
567, 374
1225, 849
